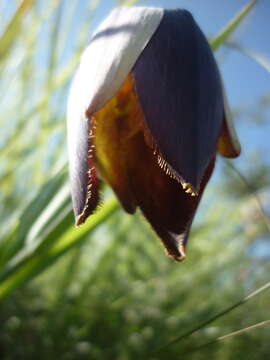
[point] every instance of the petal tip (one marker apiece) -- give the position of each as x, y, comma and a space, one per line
182, 253
178, 256
80, 220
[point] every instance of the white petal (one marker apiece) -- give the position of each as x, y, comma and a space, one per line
113, 51
106, 62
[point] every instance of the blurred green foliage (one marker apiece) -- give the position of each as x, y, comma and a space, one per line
112, 294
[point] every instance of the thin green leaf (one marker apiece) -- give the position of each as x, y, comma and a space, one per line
217, 316
29, 215
226, 337
13, 28
254, 55
254, 194
126, 2
33, 264
224, 34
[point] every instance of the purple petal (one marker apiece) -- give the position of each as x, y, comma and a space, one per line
179, 88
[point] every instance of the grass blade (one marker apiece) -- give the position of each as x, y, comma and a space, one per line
33, 264
227, 336
224, 34
254, 55
217, 316
13, 28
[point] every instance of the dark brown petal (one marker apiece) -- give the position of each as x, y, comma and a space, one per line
129, 165
116, 122
161, 198
225, 146
179, 88
228, 144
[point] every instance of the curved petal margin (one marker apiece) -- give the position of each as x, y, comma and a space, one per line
179, 88
228, 143
82, 170
161, 199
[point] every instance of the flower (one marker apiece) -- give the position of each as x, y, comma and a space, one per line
147, 113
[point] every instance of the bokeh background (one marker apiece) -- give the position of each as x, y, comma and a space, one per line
106, 290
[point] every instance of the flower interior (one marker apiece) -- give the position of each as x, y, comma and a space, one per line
125, 155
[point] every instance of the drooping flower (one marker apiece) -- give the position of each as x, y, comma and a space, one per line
147, 114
